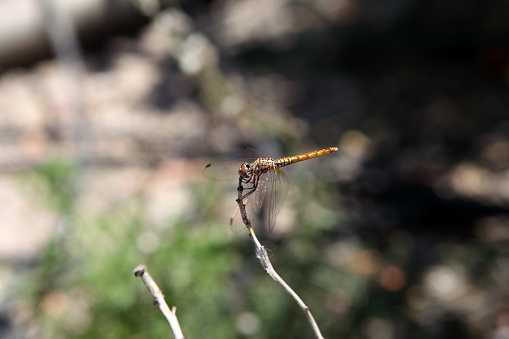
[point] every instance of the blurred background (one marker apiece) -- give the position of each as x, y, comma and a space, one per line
110, 109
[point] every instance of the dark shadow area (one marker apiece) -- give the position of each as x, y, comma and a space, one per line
430, 87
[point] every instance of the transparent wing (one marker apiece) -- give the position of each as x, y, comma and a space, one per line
272, 189
236, 223
277, 196
254, 206
225, 170
253, 201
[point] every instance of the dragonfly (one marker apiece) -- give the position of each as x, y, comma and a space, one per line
262, 180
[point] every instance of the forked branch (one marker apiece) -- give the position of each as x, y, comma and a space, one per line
170, 315
261, 254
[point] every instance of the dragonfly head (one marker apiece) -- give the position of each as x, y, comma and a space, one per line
245, 170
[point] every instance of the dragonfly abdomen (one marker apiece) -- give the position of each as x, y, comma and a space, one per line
281, 162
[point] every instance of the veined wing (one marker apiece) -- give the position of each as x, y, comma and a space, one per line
277, 196
236, 222
254, 206
272, 189
253, 202
225, 170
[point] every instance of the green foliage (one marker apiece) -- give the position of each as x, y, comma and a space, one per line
211, 276
55, 181
190, 266
91, 267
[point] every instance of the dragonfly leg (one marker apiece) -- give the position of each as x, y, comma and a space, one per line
251, 189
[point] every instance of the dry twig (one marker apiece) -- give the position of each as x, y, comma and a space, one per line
170, 315
261, 254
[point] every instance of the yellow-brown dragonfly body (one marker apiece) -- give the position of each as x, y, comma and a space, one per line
260, 177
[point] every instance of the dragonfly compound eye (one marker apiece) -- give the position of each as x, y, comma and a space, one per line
244, 170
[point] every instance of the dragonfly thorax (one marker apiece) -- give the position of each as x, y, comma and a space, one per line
256, 168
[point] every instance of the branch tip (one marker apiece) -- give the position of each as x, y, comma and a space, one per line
139, 270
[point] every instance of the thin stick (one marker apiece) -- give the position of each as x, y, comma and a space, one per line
261, 254
170, 315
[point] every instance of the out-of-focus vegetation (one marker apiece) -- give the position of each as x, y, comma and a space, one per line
402, 234
82, 285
